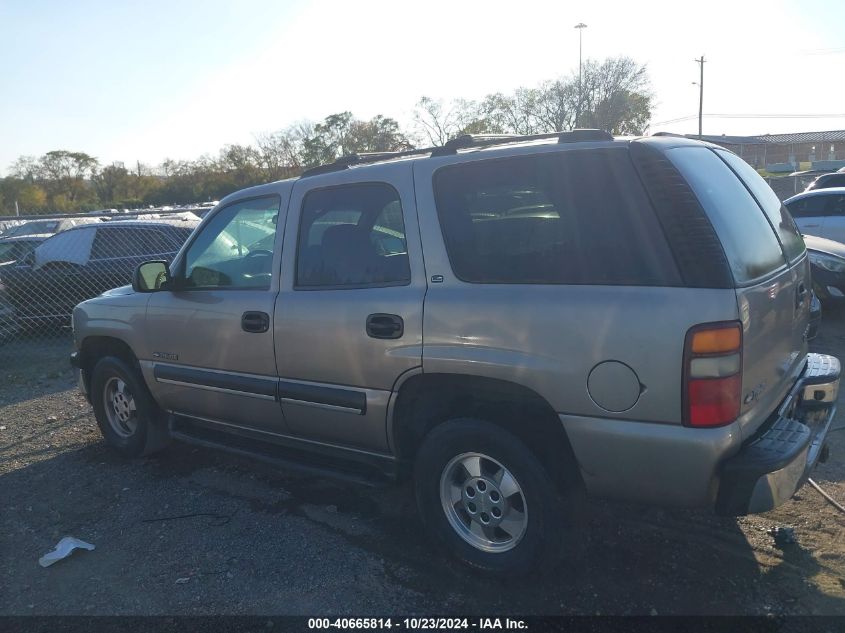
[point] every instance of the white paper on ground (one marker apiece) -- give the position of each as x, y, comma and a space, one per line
63, 549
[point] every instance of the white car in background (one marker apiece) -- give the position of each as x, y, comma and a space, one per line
820, 212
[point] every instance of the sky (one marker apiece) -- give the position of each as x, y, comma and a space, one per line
130, 80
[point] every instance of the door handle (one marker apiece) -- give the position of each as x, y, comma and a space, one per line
388, 326
256, 322
812, 226
800, 294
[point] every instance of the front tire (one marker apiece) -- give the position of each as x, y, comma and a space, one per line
483, 494
128, 417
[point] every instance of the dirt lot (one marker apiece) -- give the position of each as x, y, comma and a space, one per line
263, 541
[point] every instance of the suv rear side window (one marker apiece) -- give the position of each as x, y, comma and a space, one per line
352, 236
779, 216
750, 244
576, 217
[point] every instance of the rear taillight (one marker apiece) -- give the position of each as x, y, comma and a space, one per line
712, 374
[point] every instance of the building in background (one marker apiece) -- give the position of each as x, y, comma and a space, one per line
788, 162
786, 153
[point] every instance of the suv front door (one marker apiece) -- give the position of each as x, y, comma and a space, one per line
349, 314
210, 340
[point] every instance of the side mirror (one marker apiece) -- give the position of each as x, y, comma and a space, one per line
151, 277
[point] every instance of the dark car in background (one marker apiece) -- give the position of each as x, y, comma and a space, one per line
18, 247
83, 262
826, 181
48, 226
827, 261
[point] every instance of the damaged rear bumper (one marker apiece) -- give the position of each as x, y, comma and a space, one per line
777, 461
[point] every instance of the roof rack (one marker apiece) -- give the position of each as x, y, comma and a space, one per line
452, 146
485, 140
346, 161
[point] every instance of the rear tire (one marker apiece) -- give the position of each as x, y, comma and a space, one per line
128, 416
483, 494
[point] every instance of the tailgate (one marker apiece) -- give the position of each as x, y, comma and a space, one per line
770, 269
775, 317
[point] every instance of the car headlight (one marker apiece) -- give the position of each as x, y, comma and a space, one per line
827, 262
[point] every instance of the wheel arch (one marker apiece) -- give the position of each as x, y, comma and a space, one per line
93, 348
426, 400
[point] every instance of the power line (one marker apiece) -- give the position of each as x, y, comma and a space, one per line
823, 51
753, 116
777, 116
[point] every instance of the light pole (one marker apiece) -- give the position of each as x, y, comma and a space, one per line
580, 26
700, 84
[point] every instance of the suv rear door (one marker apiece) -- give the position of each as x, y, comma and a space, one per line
770, 268
348, 318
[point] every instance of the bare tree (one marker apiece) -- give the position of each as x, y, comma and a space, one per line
436, 123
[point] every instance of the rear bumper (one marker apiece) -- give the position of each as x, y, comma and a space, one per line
773, 464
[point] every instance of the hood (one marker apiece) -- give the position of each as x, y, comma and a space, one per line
123, 291
821, 245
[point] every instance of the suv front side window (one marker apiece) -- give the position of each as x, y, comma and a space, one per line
235, 249
352, 236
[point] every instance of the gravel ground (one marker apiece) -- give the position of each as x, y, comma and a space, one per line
263, 541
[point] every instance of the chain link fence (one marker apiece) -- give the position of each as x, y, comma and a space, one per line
48, 264
787, 186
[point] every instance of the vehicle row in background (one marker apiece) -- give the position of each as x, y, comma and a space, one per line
40, 287
825, 181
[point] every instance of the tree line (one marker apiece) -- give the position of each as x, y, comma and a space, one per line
614, 95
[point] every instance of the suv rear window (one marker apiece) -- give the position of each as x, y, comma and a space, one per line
779, 217
576, 217
750, 244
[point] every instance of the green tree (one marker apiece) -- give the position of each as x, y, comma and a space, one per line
111, 183
329, 141
379, 134
65, 177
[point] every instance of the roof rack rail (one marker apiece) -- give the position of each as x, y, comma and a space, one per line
346, 161
452, 146
485, 140
673, 134
579, 135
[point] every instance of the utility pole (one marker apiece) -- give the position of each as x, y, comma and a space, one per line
700, 63
580, 26
17, 210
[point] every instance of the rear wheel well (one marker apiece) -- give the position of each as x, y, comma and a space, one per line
427, 400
